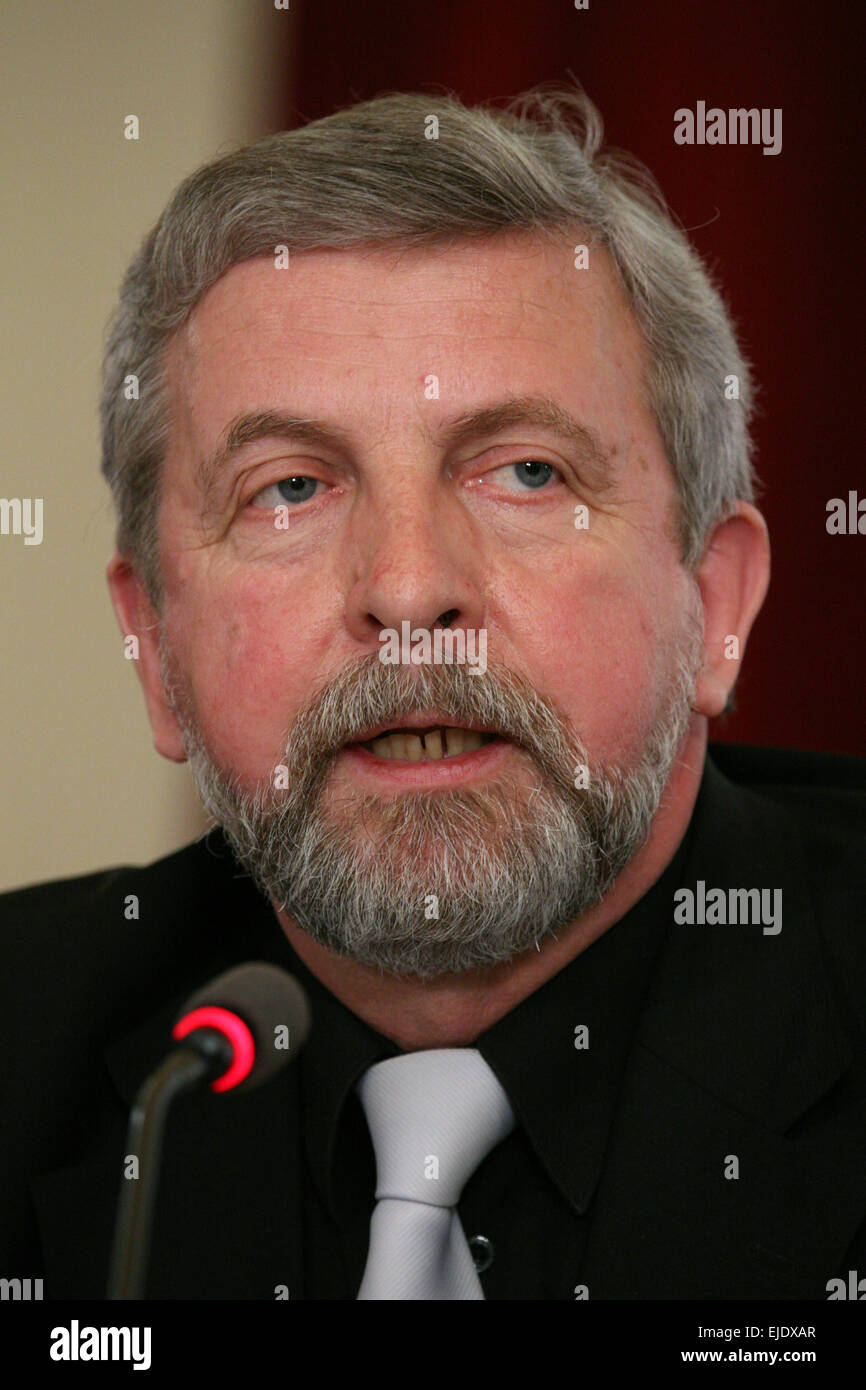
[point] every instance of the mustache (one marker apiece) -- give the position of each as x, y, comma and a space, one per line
368, 693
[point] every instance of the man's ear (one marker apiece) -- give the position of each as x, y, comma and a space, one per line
137, 619
732, 578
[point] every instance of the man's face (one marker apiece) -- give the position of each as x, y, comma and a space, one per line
563, 550
399, 526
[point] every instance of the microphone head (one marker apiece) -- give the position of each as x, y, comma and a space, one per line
271, 1016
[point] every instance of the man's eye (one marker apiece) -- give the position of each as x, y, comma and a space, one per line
296, 489
529, 474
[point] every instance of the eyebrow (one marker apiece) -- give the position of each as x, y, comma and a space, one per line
488, 420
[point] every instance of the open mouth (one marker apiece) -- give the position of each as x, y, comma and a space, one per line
426, 745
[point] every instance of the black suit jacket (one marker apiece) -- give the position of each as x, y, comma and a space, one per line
749, 1045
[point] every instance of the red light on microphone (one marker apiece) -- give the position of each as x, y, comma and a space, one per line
233, 1028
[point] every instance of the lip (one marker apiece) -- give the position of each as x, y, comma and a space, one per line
388, 773
430, 719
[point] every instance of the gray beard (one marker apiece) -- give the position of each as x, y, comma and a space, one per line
428, 883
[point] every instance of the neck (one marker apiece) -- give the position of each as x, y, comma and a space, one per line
453, 1010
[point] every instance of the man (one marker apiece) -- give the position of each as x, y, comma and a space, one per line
587, 1011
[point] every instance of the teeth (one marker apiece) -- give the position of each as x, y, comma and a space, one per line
414, 748
433, 745
417, 748
454, 741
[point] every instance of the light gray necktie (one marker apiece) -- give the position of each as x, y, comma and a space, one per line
433, 1117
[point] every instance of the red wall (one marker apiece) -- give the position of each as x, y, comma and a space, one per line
785, 232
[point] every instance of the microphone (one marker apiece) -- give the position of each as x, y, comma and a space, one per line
235, 1033
247, 1006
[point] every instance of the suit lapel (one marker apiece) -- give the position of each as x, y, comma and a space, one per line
668, 1224
737, 1057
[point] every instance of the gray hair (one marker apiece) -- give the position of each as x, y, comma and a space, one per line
370, 175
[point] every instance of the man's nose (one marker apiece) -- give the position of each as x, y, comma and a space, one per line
416, 560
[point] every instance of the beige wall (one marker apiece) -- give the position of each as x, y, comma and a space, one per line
82, 787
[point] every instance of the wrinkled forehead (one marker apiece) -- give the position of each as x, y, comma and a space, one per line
376, 334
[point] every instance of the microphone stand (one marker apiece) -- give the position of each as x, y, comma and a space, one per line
205, 1055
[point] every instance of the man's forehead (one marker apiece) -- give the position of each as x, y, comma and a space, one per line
338, 292
500, 311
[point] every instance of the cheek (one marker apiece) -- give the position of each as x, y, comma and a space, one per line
250, 665
595, 651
